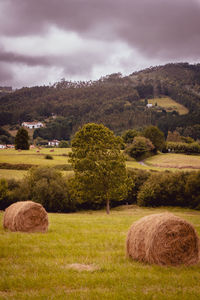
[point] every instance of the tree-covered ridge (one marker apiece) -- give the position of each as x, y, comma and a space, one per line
114, 100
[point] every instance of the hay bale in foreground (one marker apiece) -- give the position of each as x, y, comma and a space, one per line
163, 239
26, 216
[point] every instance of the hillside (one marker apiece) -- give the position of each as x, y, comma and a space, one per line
116, 101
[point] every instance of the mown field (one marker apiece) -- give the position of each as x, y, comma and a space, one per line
82, 256
172, 160
169, 105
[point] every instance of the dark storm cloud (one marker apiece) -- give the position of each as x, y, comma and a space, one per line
168, 29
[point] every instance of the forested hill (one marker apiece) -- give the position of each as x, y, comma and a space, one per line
117, 102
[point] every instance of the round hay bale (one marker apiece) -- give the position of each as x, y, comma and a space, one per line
26, 216
163, 239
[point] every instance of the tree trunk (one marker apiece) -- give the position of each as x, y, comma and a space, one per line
107, 206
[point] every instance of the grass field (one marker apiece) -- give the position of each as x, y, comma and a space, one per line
177, 161
160, 162
169, 104
41, 266
13, 156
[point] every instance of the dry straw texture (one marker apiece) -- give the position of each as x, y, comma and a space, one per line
163, 239
26, 216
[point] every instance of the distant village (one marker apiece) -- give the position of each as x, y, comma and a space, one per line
32, 125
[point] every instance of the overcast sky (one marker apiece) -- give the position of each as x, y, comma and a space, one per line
42, 41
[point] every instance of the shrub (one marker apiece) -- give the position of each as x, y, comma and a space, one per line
48, 156
48, 187
63, 144
64, 167
140, 148
193, 190
164, 189
187, 139
3, 193
184, 147
139, 177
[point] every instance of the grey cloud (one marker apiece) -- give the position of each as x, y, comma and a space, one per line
6, 74
72, 63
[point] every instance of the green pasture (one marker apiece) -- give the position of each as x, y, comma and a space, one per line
169, 104
41, 266
35, 156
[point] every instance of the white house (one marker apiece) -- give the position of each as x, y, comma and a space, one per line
53, 143
32, 125
2, 146
149, 105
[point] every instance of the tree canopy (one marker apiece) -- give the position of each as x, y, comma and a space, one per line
156, 136
47, 186
129, 135
99, 166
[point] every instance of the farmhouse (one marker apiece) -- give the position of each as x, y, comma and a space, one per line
53, 143
149, 105
2, 146
32, 125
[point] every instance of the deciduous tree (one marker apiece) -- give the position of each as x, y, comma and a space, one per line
99, 166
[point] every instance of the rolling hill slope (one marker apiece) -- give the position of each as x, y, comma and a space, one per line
113, 100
